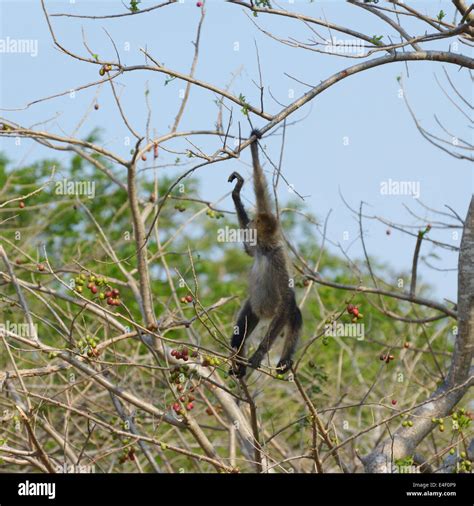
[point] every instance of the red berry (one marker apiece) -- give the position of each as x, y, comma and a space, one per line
144, 157
198, 4
110, 301
406, 345
176, 406
355, 312
21, 204
394, 402
108, 294
41, 267
115, 292
191, 398
116, 302
180, 388
94, 289
382, 357
189, 298
182, 398
391, 357
209, 411
173, 353
350, 308
190, 406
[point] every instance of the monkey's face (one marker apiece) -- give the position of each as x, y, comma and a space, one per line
266, 226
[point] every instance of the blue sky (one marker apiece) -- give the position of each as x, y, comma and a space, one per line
350, 139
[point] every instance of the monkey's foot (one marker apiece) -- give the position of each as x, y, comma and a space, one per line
284, 365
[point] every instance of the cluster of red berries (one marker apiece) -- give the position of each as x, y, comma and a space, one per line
110, 295
128, 454
354, 311
386, 358
183, 353
187, 401
187, 299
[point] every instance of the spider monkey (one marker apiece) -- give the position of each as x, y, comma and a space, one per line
270, 293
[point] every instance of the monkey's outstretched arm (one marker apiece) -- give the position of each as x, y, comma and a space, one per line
259, 181
242, 215
239, 207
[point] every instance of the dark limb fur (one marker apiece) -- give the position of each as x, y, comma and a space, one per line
246, 323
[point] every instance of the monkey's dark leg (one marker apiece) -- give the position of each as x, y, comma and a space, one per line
276, 326
246, 323
295, 322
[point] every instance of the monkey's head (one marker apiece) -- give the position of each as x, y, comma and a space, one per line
266, 225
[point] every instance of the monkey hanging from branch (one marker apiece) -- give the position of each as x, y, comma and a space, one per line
271, 295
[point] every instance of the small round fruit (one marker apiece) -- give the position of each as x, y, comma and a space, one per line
94, 289
41, 267
21, 205
441, 428
189, 298
452, 451
96, 107
110, 301
189, 406
115, 292
102, 71
394, 402
144, 157
198, 4
79, 289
